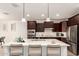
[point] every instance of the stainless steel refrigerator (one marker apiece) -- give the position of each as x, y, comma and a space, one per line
73, 39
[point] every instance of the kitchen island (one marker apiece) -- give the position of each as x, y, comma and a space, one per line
43, 42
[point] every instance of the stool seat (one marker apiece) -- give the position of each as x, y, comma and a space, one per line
53, 50
16, 50
35, 50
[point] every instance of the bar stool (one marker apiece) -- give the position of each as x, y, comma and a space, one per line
35, 50
16, 50
53, 50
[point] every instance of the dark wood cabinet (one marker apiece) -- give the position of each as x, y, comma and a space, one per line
73, 20
31, 24
40, 27
48, 24
64, 26
57, 27
60, 27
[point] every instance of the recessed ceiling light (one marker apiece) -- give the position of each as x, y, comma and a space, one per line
42, 15
23, 20
57, 15
28, 15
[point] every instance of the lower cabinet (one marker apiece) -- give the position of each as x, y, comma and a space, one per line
53, 51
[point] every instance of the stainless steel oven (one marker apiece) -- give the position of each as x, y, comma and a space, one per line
31, 33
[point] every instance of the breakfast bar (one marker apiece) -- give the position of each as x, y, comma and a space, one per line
44, 44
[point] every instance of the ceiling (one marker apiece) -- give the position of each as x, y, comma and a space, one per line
14, 11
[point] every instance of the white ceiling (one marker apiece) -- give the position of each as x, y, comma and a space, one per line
65, 10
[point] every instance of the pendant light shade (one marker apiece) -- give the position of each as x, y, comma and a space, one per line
23, 18
48, 18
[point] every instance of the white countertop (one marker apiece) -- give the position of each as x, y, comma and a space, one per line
50, 34
42, 43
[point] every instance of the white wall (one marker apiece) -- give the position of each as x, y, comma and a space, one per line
21, 30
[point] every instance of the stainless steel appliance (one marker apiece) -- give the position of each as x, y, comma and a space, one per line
31, 33
73, 39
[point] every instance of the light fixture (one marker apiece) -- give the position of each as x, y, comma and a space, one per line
57, 15
28, 15
42, 15
23, 18
48, 19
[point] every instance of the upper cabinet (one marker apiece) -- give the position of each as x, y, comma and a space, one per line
73, 20
31, 24
48, 24
40, 27
56, 27
64, 26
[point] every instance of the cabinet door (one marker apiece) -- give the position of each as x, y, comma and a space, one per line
31, 24
64, 26
73, 20
76, 19
48, 24
57, 27
40, 27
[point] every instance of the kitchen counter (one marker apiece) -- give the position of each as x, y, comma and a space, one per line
44, 43
51, 34
39, 42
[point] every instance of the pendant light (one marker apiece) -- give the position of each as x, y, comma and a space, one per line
23, 18
48, 19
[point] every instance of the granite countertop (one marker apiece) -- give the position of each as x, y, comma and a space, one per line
43, 42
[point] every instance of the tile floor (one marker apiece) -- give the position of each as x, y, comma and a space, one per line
2, 52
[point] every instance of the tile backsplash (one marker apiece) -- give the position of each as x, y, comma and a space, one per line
50, 34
